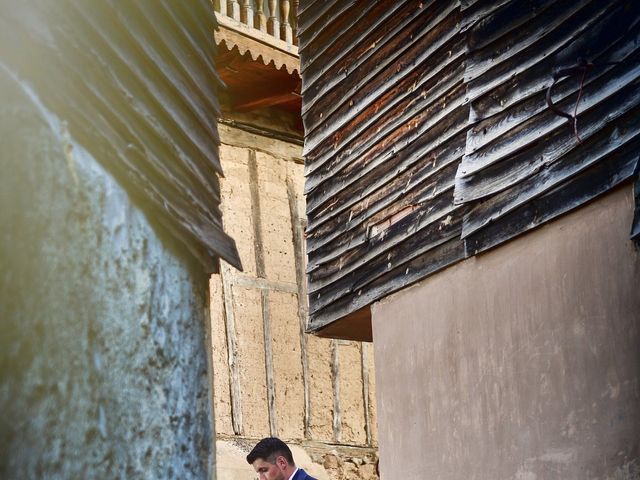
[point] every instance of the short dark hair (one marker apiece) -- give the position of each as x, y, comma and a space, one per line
269, 449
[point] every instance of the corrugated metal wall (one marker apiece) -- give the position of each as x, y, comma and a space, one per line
429, 137
135, 82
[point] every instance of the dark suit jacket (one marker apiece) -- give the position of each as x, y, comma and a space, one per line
302, 475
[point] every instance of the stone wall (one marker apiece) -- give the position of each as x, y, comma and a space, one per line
102, 334
271, 378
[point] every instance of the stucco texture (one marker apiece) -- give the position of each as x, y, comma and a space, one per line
521, 363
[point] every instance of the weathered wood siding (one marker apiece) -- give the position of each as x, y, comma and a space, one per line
135, 83
429, 137
524, 164
635, 228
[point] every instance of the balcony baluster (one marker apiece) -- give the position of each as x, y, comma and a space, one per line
275, 18
294, 20
285, 28
220, 6
259, 18
233, 10
273, 24
246, 12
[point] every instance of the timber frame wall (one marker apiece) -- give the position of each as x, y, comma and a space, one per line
435, 130
271, 377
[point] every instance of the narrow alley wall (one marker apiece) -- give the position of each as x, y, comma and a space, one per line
271, 378
103, 363
523, 361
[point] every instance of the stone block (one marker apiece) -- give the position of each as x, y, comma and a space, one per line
367, 471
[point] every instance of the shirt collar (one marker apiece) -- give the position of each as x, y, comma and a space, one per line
294, 473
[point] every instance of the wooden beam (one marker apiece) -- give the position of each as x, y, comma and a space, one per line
268, 363
364, 363
297, 227
232, 352
335, 377
269, 101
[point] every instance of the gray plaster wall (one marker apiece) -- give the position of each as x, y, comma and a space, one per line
103, 364
519, 364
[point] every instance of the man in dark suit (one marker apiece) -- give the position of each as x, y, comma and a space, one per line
273, 460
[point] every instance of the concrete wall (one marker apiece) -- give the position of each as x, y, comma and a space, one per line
271, 378
522, 363
103, 363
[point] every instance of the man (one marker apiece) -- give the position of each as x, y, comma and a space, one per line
272, 460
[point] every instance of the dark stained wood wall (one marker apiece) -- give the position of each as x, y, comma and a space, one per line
635, 228
135, 83
428, 137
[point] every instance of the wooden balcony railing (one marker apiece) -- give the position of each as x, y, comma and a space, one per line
273, 20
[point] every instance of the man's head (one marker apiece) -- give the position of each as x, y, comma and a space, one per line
272, 459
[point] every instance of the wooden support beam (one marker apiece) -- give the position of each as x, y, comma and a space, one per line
268, 101
335, 377
232, 352
255, 214
297, 227
364, 359
268, 363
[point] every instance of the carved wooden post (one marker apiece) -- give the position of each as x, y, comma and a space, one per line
273, 24
260, 19
233, 9
294, 20
285, 29
246, 12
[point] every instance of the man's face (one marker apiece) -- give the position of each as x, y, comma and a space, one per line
269, 471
